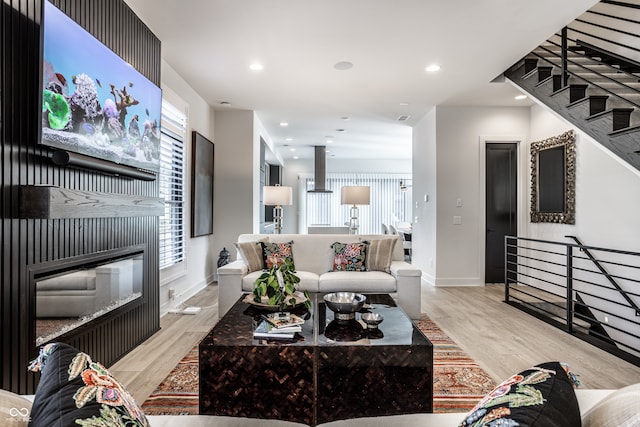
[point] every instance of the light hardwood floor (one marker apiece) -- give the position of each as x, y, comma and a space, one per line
502, 339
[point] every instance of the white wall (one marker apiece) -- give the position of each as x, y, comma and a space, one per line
459, 132
423, 240
235, 184
197, 271
607, 196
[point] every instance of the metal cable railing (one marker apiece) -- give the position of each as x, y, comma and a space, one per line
590, 292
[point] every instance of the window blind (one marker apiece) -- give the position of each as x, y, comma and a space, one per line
390, 201
171, 184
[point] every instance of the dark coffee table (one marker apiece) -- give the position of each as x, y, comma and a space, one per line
331, 371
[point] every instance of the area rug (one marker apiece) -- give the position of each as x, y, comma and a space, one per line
458, 381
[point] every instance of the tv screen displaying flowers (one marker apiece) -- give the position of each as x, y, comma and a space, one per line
93, 102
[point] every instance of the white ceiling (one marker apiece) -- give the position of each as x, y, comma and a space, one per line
211, 44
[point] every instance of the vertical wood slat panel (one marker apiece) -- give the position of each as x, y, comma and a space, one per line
30, 241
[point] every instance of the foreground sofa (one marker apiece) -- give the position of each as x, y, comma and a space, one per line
313, 257
76, 390
587, 399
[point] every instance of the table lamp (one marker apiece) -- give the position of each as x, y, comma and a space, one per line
277, 196
355, 195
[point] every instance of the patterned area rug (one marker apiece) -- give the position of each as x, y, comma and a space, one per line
458, 381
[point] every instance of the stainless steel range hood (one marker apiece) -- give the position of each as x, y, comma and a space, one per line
320, 170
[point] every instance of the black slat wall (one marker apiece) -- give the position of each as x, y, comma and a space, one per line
27, 242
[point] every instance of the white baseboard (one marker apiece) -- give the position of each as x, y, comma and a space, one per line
182, 297
454, 281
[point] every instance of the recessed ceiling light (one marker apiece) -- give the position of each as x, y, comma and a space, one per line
519, 97
404, 104
433, 68
225, 103
295, 157
256, 67
339, 130
327, 151
289, 139
345, 118
329, 141
292, 149
284, 124
343, 65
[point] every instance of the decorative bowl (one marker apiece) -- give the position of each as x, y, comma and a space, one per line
372, 320
344, 305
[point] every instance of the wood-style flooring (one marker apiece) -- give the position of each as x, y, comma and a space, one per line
502, 339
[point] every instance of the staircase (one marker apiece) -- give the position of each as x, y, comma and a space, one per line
577, 74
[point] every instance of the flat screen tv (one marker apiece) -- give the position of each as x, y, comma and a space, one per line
93, 102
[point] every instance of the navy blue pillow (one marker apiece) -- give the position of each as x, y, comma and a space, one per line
74, 390
542, 396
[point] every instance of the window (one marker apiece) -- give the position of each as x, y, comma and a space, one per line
171, 177
390, 201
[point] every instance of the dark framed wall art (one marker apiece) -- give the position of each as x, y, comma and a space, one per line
202, 155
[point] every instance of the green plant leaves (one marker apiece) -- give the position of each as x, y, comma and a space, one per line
267, 285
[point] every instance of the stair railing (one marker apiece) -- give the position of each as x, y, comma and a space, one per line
604, 272
554, 282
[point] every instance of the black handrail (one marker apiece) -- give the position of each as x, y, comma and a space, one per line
558, 287
606, 274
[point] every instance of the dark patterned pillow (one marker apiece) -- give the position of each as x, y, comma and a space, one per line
541, 396
276, 253
349, 256
74, 390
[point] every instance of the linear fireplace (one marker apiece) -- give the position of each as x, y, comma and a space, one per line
72, 292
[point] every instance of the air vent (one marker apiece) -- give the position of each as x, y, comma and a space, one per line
403, 118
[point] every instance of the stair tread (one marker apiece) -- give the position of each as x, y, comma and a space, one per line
609, 111
626, 130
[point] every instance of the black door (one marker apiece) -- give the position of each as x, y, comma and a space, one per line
501, 205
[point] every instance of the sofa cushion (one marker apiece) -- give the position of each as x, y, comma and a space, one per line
313, 252
380, 254
276, 253
308, 281
251, 253
539, 396
349, 256
74, 390
357, 281
620, 408
14, 409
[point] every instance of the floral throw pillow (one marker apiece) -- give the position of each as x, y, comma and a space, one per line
276, 253
76, 391
540, 396
349, 256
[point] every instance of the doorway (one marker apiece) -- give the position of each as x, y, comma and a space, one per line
501, 206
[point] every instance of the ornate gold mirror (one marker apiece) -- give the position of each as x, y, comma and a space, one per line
553, 179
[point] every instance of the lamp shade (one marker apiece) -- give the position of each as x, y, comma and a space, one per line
275, 195
355, 195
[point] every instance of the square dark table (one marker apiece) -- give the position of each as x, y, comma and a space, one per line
330, 371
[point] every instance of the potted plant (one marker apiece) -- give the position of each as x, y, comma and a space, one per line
278, 287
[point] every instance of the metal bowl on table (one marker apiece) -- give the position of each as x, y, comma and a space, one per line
372, 320
344, 305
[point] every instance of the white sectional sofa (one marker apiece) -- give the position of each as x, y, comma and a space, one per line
586, 400
313, 257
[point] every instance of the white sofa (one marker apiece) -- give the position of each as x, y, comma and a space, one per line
586, 399
313, 257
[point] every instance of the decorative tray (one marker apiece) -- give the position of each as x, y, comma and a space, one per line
299, 297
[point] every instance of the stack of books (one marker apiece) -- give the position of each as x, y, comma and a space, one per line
276, 326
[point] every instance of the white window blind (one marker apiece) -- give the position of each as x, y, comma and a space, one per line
390, 201
171, 178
